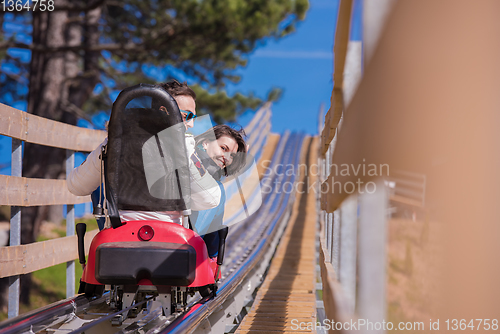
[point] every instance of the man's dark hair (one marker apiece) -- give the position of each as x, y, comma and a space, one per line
222, 130
175, 88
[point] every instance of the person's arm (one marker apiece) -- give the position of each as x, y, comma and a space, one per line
205, 192
85, 178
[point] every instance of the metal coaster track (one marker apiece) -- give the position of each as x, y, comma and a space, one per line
250, 246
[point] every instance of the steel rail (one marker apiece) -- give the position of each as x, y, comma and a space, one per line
235, 271
239, 230
108, 317
238, 269
50, 315
255, 226
195, 316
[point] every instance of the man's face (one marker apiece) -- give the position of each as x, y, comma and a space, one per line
186, 102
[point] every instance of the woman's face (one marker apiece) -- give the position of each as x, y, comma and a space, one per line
221, 150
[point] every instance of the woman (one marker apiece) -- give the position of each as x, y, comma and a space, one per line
223, 155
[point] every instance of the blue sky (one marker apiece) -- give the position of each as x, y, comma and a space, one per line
301, 64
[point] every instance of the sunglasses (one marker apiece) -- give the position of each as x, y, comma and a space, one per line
188, 114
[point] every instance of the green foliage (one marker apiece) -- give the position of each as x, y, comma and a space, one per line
203, 38
90, 222
274, 94
203, 41
51, 282
49, 286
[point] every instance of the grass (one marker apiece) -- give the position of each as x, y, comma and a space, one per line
49, 284
52, 280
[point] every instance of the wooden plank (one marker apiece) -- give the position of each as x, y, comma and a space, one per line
289, 302
267, 154
22, 191
332, 119
38, 130
407, 201
13, 122
287, 297
23, 259
233, 203
274, 290
334, 114
341, 40
390, 122
279, 294
325, 133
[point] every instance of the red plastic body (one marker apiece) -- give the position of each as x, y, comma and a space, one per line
206, 268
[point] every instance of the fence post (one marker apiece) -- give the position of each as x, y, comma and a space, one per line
70, 229
348, 246
336, 242
372, 255
15, 227
329, 231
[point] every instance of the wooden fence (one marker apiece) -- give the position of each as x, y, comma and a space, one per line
352, 238
18, 191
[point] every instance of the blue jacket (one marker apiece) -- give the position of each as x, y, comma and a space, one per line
209, 221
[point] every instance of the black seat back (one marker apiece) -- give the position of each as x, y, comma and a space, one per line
146, 162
